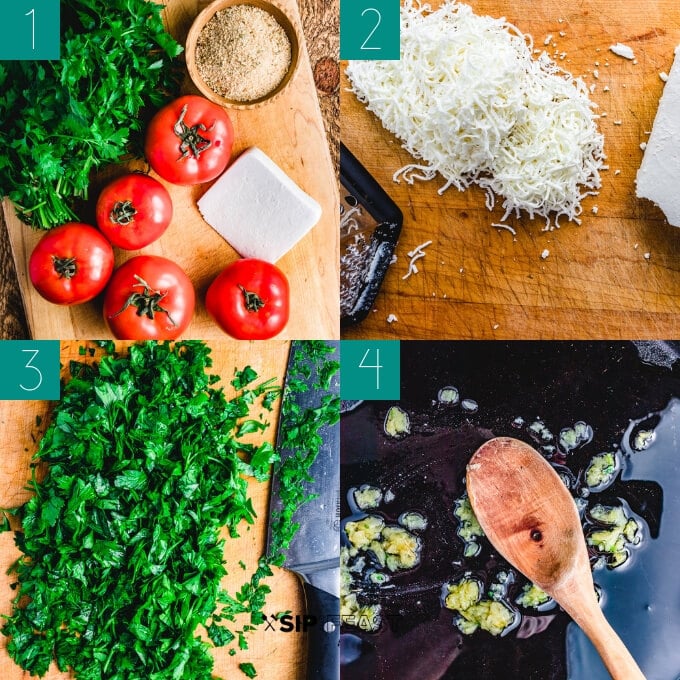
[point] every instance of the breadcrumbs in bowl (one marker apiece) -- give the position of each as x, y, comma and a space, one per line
242, 53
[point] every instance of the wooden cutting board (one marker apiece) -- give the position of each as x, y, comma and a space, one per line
290, 131
275, 654
615, 276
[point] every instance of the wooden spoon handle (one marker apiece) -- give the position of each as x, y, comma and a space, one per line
616, 657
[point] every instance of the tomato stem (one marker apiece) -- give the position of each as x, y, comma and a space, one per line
190, 140
252, 301
64, 266
147, 302
122, 213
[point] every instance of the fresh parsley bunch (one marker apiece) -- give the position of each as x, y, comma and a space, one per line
60, 120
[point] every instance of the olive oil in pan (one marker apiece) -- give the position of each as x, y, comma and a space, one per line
642, 599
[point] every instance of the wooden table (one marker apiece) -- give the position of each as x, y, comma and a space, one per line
320, 27
615, 276
275, 654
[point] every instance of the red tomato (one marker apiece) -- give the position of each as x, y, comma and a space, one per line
134, 210
71, 264
189, 141
149, 298
249, 300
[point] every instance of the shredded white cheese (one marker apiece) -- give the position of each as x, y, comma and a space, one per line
498, 225
469, 102
415, 254
622, 50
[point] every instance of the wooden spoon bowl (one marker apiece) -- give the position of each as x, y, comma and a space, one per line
529, 516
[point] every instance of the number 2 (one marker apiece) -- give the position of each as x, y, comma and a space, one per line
370, 35
28, 364
32, 15
377, 365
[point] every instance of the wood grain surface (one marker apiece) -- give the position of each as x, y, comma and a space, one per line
291, 130
275, 654
615, 276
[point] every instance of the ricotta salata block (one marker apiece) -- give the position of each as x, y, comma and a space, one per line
658, 178
257, 208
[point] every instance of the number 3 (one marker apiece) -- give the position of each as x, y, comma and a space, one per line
28, 364
375, 28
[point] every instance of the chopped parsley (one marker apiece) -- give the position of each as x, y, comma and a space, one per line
122, 555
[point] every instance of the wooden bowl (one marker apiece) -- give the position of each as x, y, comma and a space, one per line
288, 25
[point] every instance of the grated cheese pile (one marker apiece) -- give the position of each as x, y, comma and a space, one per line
469, 101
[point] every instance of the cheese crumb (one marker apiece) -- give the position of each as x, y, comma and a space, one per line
647, 256
391, 318
605, 88
545, 254
507, 227
617, 172
415, 254
643, 145
664, 76
618, 122
548, 39
622, 50
595, 210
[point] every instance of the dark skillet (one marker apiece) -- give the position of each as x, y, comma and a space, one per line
605, 384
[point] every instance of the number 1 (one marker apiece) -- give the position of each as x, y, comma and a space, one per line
32, 15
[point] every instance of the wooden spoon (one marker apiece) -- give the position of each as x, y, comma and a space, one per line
529, 516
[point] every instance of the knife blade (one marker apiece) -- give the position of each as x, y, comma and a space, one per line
314, 552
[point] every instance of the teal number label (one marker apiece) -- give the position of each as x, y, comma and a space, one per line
370, 369
30, 30
30, 369
369, 29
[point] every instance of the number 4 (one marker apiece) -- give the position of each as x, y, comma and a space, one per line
377, 365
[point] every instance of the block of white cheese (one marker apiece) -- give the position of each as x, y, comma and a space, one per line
257, 208
658, 178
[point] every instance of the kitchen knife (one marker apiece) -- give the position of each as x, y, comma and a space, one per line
314, 552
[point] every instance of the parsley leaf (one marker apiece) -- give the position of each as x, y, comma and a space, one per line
248, 669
